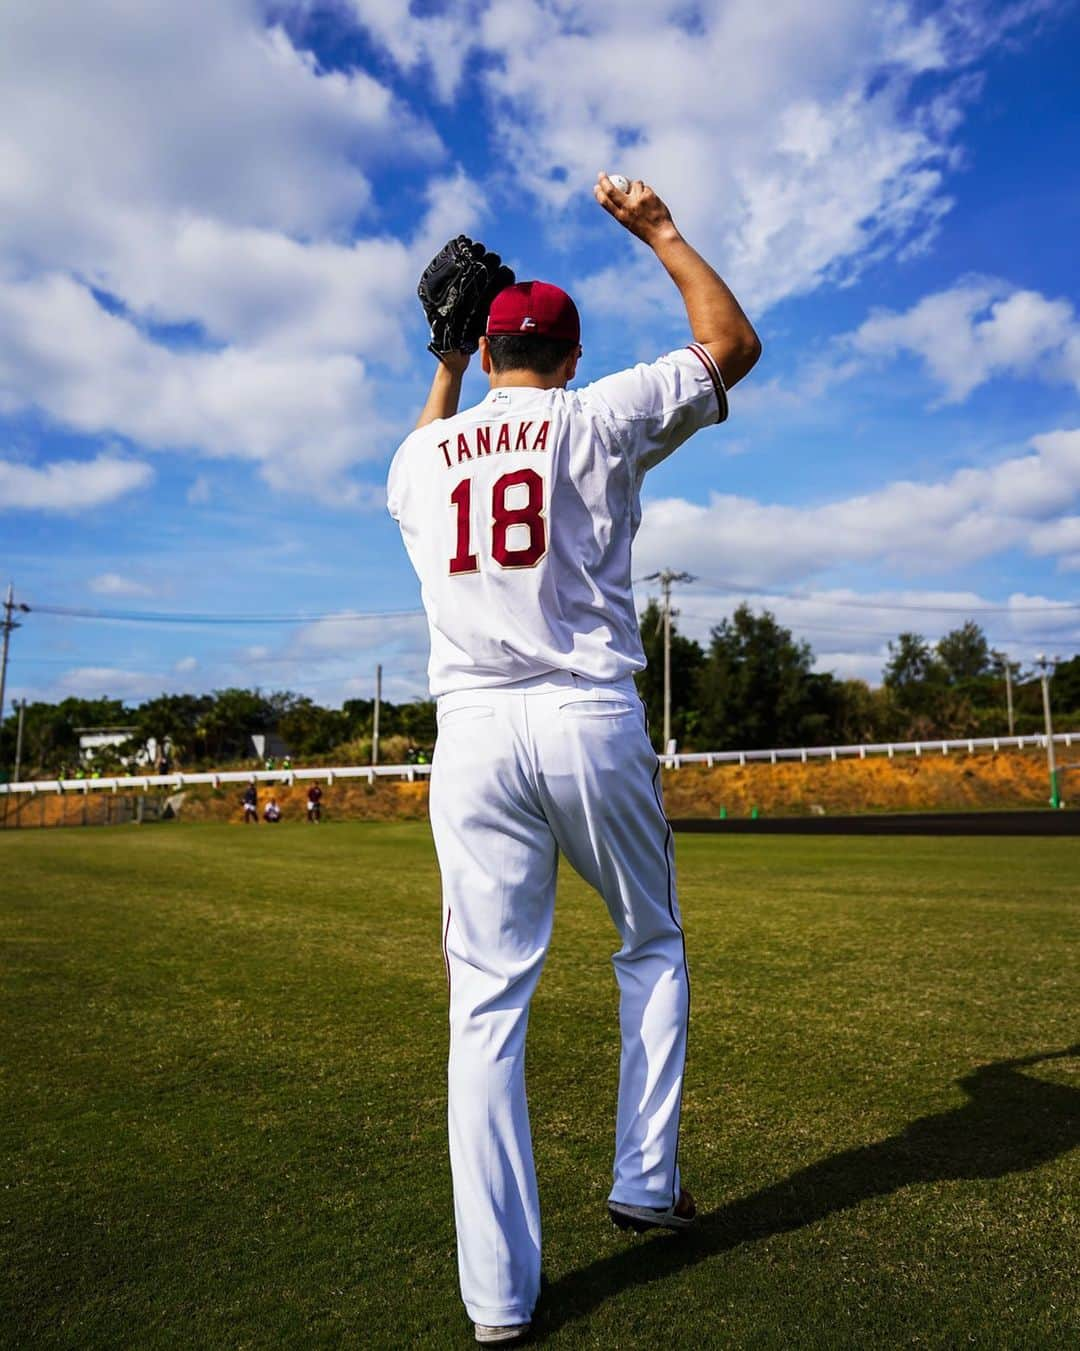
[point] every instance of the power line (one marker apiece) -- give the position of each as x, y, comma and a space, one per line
811, 598
315, 659
179, 617
368, 616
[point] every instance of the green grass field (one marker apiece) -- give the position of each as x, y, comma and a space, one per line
224, 1125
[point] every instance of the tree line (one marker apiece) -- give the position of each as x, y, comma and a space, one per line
205, 731
751, 686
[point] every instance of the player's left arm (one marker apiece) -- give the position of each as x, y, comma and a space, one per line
445, 393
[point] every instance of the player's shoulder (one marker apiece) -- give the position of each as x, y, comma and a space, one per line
641, 376
672, 379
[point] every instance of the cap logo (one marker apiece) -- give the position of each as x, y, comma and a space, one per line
526, 324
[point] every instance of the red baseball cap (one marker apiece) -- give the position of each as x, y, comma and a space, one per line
535, 308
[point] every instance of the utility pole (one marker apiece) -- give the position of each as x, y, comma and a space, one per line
1046, 670
665, 577
375, 717
1005, 666
1009, 696
18, 742
8, 626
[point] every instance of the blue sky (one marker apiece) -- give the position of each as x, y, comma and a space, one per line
213, 215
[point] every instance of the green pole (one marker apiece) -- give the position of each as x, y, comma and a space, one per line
1045, 669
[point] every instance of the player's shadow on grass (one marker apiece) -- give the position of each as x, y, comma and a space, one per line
1012, 1122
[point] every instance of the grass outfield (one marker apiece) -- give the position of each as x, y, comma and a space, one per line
223, 1058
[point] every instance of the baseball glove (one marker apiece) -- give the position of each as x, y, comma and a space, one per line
456, 290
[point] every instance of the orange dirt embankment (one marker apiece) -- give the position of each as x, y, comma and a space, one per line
385, 800
931, 782
348, 799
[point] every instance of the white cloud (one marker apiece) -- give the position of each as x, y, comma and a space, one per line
789, 138
196, 108
806, 161
849, 630
346, 633
924, 527
219, 179
335, 658
439, 41
70, 485
90, 682
217, 183
222, 176
976, 331
299, 416
185, 665
258, 287
115, 584
290, 393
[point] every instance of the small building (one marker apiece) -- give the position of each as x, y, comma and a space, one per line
95, 739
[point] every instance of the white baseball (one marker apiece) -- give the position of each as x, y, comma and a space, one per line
619, 181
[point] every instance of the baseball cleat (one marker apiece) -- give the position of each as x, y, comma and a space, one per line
643, 1218
515, 1332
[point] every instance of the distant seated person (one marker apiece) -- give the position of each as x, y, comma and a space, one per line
272, 811
287, 762
270, 762
251, 804
314, 803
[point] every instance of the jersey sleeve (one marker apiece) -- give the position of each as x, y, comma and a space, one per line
652, 409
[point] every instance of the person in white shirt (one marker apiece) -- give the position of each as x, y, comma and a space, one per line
518, 516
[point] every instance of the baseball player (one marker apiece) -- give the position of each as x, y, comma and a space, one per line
518, 516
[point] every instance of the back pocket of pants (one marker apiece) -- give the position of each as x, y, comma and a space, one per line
596, 708
467, 713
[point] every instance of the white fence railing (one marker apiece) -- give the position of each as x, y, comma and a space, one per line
143, 782
860, 752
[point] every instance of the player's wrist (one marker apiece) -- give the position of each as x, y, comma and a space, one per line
454, 364
663, 236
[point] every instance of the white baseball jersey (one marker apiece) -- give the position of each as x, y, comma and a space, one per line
518, 515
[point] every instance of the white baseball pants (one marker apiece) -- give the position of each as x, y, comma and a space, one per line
521, 773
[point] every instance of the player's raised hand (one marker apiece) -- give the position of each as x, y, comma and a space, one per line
639, 209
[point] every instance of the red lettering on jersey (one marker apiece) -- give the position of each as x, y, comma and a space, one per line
521, 444
483, 440
463, 451
541, 436
444, 446
503, 442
